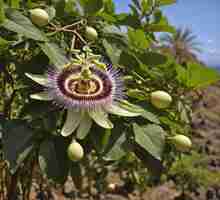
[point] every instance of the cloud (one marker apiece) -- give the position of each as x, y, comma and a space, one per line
210, 41
214, 51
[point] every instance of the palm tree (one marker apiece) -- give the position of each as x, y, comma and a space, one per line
182, 45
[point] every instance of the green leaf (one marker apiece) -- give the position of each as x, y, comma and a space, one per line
17, 142
154, 165
74, 8
160, 28
73, 119
128, 59
91, 6
4, 43
2, 11
107, 17
51, 12
101, 118
54, 53
199, 75
137, 39
109, 6
151, 138
15, 3
84, 126
166, 2
152, 58
114, 35
128, 20
40, 79
116, 147
112, 51
181, 74
130, 107
20, 24
150, 116
43, 96
53, 159
137, 94
117, 110
143, 112
59, 5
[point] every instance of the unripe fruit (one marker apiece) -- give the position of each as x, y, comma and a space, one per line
181, 142
160, 99
75, 151
91, 33
111, 187
39, 17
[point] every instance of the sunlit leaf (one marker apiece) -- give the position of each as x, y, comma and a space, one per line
2, 11
160, 28
200, 75
137, 39
166, 2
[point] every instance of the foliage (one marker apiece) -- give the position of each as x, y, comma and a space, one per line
191, 172
32, 129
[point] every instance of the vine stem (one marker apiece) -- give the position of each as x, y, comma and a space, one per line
13, 186
66, 29
31, 176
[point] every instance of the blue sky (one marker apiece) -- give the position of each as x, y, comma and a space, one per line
202, 16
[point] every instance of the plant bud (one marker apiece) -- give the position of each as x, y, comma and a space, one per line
181, 142
75, 151
160, 99
39, 17
91, 33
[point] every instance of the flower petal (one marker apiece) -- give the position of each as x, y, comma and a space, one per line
101, 118
42, 80
44, 96
73, 119
116, 110
84, 126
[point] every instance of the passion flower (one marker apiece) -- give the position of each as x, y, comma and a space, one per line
39, 16
181, 142
91, 33
87, 91
160, 99
75, 151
